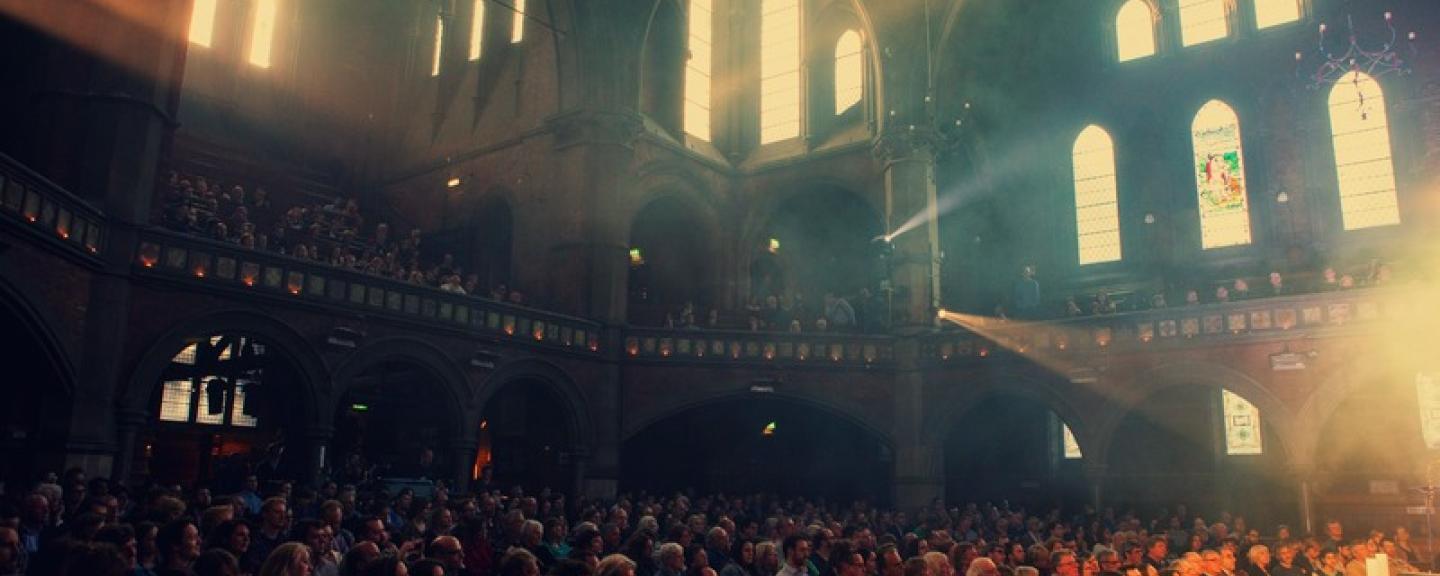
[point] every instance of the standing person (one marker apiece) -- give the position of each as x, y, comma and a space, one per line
1027, 294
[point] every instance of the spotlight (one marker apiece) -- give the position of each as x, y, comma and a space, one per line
453, 182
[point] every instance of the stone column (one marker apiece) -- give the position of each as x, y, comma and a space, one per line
919, 461
908, 154
462, 456
127, 432
590, 234
1094, 473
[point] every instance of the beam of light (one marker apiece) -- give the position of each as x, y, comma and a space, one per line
262, 36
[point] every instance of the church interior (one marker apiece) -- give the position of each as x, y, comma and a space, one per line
1087, 265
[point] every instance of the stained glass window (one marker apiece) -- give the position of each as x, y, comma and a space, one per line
1072, 446
1276, 12
1097, 212
1242, 426
262, 33
849, 71
477, 29
175, 401
1135, 30
439, 49
1363, 165
779, 70
1220, 177
208, 381
698, 70
202, 22
1202, 21
517, 23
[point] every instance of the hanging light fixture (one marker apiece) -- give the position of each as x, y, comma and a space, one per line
1369, 57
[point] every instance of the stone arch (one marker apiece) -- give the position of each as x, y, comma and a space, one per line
1030, 383
577, 408
40, 324
676, 406
673, 216
1131, 394
454, 385
853, 219
147, 369
767, 202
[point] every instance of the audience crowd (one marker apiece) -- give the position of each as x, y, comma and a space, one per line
333, 232
73, 526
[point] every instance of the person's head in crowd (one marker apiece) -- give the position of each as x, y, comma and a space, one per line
767, 557
217, 562
917, 566
796, 549
178, 543
1227, 559
574, 568
519, 562
426, 567
448, 551
391, 566
671, 557
360, 556
232, 536
939, 564
615, 565
372, 529
1330, 560
1210, 562
10, 551
985, 567
122, 537
288, 559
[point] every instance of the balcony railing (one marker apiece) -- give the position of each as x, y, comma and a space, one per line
735, 347
229, 267
43, 208
1260, 318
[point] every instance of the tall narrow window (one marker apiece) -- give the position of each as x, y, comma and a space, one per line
439, 49
517, 22
1135, 30
477, 29
1220, 177
697, 70
202, 22
262, 34
1202, 21
849, 71
779, 70
1071, 445
1242, 425
1276, 12
1365, 170
1097, 212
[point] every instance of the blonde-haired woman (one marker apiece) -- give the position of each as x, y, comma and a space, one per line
288, 559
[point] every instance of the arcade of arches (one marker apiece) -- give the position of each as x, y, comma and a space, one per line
383, 257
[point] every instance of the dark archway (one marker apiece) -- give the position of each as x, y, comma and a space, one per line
226, 404
397, 417
1173, 444
824, 235
1373, 435
1012, 448
723, 446
672, 261
525, 438
36, 414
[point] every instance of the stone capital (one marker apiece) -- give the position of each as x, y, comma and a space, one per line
910, 143
594, 127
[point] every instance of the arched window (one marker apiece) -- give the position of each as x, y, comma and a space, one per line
1242, 425
697, 70
1363, 165
1220, 177
1070, 445
779, 70
517, 22
477, 29
262, 32
1202, 21
1097, 213
207, 382
1135, 30
439, 49
849, 71
1276, 12
202, 22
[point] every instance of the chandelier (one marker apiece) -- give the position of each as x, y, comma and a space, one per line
1373, 59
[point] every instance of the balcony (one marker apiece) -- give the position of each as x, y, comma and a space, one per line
758, 348
1257, 319
228, 267
45, 210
